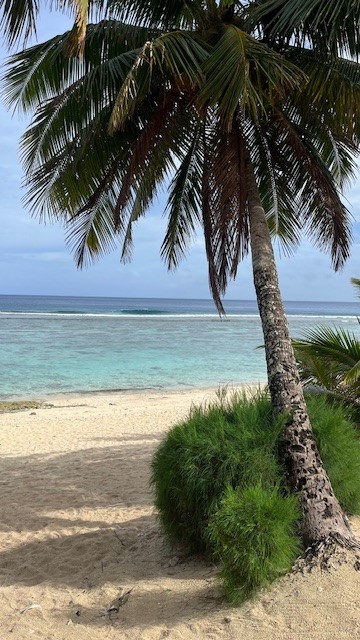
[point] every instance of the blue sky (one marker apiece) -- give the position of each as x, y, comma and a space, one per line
34, 258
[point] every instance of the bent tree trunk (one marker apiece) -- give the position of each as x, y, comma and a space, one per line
323, 518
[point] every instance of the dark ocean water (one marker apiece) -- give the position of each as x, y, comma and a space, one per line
52, 344
159, 306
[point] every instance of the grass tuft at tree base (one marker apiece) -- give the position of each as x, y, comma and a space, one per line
253, 534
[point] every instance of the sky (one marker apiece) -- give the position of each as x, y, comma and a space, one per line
34, 259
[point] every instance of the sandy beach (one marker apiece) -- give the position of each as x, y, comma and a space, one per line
81, 553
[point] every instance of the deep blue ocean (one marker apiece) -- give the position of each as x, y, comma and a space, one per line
52, 344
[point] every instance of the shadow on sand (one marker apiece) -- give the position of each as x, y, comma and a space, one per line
81, 520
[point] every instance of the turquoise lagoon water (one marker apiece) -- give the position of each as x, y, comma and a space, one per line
72, 344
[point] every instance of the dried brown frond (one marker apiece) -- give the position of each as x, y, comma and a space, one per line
224, 197
326, 219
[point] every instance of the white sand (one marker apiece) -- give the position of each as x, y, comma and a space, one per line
78, 531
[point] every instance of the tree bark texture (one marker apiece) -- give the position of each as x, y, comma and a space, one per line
323, 518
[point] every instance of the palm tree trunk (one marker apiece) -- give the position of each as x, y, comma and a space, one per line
323, 518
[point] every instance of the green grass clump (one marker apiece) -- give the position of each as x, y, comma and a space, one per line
339, 445
222, 466
253, 535
221, 445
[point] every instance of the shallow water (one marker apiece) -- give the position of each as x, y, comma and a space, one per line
55, 344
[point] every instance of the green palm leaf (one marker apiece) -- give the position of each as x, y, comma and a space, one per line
251, 78
91, 235
184, 205
329, 26
43, 71
331, 357
168, 14
19, 19
324, 217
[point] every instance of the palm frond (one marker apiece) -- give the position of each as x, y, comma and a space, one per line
331, 357
228, 200
161, 146
76, 40
329, 26
37, 73
43, 72
208, 226
330, 97
73, 165
282, 203
251, 78
325, 218
184, 204
225, 219
168, 14
57, 122
173, 60
18, 19
159, 125
91, 235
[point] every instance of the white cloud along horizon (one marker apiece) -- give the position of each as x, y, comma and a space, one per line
34, 259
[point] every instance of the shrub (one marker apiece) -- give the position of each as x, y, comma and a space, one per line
223, 444
339, 445
253, 534
235, 444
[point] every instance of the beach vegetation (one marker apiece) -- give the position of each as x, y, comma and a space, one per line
337, 436
235, 444
255, 536
247, 112
329, 357
220, 445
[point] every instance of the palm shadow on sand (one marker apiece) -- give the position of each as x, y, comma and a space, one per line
81, 520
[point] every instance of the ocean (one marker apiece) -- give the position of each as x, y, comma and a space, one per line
52, 344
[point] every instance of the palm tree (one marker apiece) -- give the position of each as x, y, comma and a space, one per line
244, 123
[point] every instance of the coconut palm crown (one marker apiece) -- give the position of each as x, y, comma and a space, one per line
246, 112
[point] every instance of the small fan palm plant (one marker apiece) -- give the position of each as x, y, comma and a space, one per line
329, 357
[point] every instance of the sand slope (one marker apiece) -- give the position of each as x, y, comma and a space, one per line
80, 541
